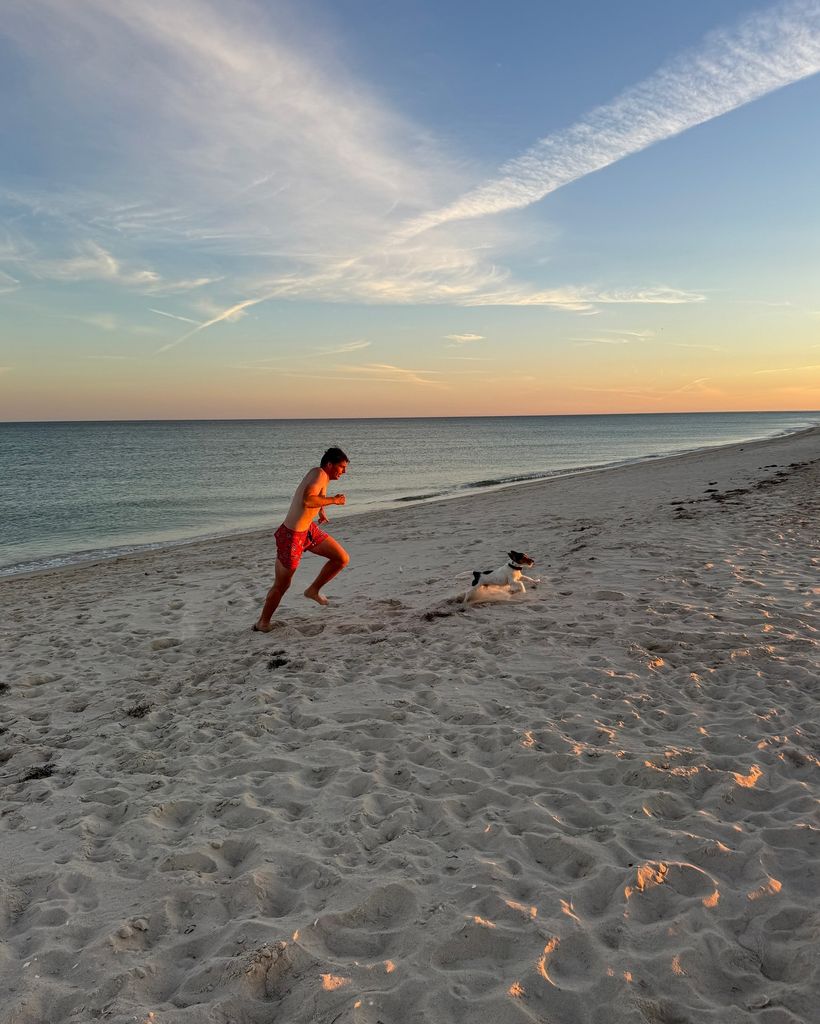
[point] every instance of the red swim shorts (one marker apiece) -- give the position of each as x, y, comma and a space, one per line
291, 544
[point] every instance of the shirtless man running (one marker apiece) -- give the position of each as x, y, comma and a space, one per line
299, 533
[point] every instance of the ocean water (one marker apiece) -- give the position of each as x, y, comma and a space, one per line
76, 491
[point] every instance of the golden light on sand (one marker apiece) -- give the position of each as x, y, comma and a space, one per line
649, 874
713, 900
682, 771
628, 976
295, 937
389, 966
357, 1004
549, 949
656, 663
748, 781
646, 811
566, 907
483, 922
516, 990
529, 739
769, 888
531, 912
676, 966
330, 982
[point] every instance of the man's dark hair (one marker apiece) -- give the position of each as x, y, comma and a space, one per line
333, 456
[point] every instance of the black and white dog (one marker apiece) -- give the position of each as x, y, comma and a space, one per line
508, 575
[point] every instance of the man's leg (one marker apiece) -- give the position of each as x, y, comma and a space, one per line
337, 559
275, 594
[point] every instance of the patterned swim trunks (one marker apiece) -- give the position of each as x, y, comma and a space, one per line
291, 544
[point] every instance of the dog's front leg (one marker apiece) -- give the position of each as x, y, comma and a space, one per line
529, 579
517, 587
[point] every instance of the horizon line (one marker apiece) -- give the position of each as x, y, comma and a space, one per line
463, 416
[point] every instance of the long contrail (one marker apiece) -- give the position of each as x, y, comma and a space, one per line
224, 315
765, 52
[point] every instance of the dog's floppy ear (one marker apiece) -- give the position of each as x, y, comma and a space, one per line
515, 556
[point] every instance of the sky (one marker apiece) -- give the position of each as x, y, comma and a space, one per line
351, 208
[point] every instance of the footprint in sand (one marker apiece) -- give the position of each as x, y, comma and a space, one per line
369, 929
193, 861
311, 629
165, 643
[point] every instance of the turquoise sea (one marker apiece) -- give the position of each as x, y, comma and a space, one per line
76, 491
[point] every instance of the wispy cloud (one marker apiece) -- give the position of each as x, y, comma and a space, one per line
350, 346
88, 261
700, 385
396, 374
172, 287
765, 52
374, 374
791, 369
109, 322
8, 283
462, 339
614, 337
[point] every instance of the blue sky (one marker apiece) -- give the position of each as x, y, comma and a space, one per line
357, 208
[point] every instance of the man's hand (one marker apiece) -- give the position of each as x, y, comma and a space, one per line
339, 499
322, 517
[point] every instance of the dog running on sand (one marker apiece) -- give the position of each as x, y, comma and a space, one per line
507, 575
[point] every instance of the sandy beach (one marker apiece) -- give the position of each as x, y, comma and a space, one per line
593, 803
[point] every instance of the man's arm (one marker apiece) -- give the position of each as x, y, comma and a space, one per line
322, 500
315, 496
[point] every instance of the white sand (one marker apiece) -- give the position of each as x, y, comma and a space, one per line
596, 802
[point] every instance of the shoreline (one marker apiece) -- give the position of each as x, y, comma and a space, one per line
595, 802
399, 504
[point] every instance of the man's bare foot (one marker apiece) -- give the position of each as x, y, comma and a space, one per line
314, 595
260, 628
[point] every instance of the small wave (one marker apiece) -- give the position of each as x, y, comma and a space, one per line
422, 497
522, 478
